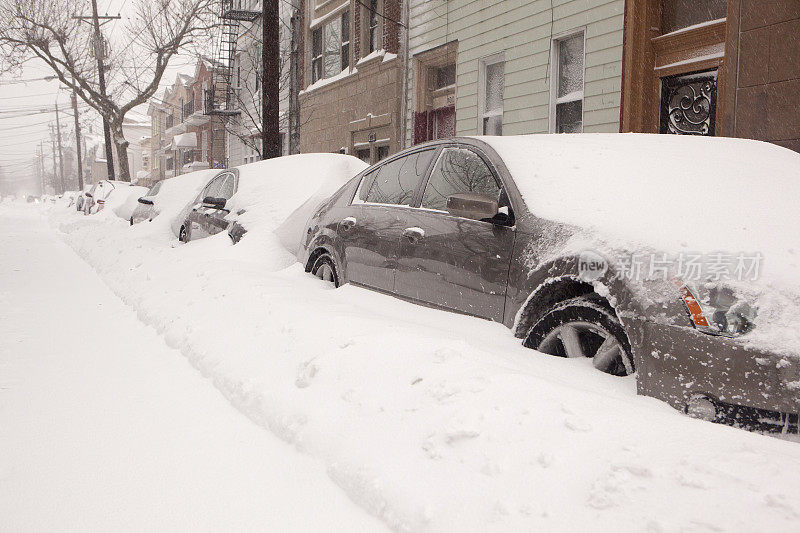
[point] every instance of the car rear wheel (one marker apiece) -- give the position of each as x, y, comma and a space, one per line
586, 328
325, 269
131, 221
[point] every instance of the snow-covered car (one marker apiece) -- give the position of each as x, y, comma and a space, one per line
599, 247
80, 198
124, 201
145, 210
97, 196
241, 198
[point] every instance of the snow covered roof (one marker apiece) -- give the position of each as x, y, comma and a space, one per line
196, 165
185, 140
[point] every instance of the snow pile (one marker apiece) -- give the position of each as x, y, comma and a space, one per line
280, 195
176, 196
124, 200
430, 420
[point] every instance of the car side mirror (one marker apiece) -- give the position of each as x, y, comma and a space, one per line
219, 203
145, 201
472, 205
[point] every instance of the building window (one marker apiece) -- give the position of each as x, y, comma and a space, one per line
372, 27
381, 153
170, 120
316, 55
492, 73
566, 98
365, 155
330, 48
689, 103
678, 14
345, 40
435, 93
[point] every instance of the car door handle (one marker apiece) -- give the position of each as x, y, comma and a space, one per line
348, 222
414, 234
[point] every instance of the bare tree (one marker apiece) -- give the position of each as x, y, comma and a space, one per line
246, 96
53, 32
247, 126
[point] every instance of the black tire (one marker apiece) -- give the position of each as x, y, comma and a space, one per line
183, 234
131, 221
324, 268
593, 325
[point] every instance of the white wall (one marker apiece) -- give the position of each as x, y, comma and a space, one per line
523, 31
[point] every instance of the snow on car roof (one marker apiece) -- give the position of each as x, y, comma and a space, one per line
673, 193
293, 179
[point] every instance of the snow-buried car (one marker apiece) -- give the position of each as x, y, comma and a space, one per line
671, 257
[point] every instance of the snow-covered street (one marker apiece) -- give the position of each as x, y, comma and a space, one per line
124, 380
103, 427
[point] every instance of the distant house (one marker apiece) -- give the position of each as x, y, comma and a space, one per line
135, 127
182, 137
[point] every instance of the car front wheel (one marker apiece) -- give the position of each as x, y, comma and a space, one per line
586, 328
325, 269
183, 235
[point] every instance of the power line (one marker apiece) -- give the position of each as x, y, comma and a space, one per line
16, 82
26, 96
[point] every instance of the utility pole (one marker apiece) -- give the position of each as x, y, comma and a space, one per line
99, 54
60, 153
53, 142
41, 165
270, 76
74, 98
294, 84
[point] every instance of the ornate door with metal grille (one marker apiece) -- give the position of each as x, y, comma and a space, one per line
689, 103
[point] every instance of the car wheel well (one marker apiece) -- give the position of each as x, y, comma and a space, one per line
313, 257
548, 295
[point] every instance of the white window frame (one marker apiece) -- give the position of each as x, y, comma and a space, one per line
555, 67
482, 64
320, 25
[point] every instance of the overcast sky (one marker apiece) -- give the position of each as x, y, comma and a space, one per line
23, 124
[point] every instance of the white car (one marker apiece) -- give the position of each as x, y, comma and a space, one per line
99, 193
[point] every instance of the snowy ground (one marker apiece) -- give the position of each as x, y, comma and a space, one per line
426, 420
115, 431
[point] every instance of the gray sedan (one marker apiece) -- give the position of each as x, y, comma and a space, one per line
444, 225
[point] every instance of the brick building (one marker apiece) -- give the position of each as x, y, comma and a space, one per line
712, 67
351, 75
182, 137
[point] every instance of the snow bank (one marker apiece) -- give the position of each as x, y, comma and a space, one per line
433, 421
176, 196
279, 195
123, 201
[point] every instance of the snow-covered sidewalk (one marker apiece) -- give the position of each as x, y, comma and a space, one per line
103, 427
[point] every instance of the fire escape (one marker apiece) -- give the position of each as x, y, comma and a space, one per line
220, 98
